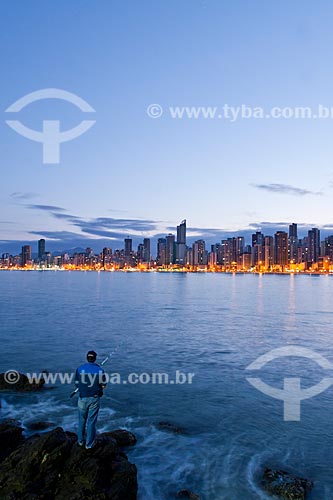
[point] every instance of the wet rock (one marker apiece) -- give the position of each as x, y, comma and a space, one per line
285, 485
122, 437
168, 426
36, 425
10, 437
187, 494
22, 384
52, 466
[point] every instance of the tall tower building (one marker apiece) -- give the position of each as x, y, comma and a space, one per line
170, 249
26, 255
199, 254
314, 244
329, 247
181, 243
41, 249
146, 250
269, 252
107, 256
161, 251
281, 248
181, 232
257, 250
293, 243
128, 247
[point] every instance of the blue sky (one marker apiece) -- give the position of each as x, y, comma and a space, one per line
133, 175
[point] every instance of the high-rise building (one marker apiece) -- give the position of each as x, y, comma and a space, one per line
257, 250
281, 248
181, 232
146, 250
106, 256
181, 243
293, 244
26, 255
161, 251
41, 248
314, 245
257, 238
304, 250
140, 252
232, 250
329, 247
128, 247
199, 254
268, 252
170, 249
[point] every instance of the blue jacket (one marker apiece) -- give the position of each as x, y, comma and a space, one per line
90, 379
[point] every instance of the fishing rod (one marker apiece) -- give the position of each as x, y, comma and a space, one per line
101, 364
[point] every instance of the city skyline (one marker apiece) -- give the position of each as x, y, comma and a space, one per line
105, 231
224, 175
284, 251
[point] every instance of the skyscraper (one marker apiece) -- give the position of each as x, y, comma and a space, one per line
314, 244
128, 247
181, 243
107, 256
281, 248
146, 250
161, 251
329, 247
257, 248
268, 252
293, 243
41, 249
181, 232
170, 249
26, 256
199, 254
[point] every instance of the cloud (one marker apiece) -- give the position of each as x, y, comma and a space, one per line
19, 195
286, 189
105, 226
63, 236
46, 208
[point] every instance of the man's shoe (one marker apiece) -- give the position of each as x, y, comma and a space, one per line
90, 447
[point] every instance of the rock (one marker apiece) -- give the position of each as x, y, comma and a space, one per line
167, 426
52, 466
187, 494
36, 425
21, 385
122, 437
284, 485
10, 437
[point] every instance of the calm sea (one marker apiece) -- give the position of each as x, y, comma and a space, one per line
213, 325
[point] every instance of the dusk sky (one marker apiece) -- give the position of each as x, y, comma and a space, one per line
132, 175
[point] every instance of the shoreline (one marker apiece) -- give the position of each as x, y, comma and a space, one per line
171, 271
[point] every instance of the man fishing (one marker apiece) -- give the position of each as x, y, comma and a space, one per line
90, 380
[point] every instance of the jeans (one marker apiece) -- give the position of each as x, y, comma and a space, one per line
88, 412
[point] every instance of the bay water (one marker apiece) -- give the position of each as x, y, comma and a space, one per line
211, 325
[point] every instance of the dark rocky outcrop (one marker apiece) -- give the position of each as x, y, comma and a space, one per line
123, 437
285, 485
10, 437
38, 425
187, 494
168, 426
21, 385
52, 466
